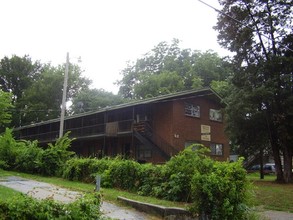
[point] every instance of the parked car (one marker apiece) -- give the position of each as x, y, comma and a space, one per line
268, 168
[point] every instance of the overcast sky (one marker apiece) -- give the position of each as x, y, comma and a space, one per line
105, 33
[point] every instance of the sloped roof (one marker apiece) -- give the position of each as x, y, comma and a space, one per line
163, 98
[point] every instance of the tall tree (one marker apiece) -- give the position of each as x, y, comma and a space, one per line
260, 34
167, 68
43, 99
17, 74
5, 107
93, 99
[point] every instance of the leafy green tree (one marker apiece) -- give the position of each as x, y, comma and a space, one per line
43, 99
93, 99
17, 74
167, 68
261, 99
163, 83
5, 106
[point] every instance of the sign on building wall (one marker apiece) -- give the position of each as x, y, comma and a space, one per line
205, 132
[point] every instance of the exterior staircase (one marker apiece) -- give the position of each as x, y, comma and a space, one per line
143, 132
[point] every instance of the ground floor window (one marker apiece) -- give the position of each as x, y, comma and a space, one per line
145, 153
189, 143
216, 149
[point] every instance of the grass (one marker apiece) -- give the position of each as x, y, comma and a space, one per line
272, 195
108, 194
7, 193
269, 194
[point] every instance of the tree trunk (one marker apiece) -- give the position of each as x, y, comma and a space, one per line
287, 165
261, 163
278, 164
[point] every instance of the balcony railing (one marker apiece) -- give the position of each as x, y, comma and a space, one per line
81, 132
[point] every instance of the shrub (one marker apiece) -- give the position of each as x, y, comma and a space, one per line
85, 169
221, 193
150, 176
179, 171
26, 208
123, 174
55, 156
28, 157
76, 169
8, 150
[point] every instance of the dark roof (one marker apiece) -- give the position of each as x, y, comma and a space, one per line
163, 98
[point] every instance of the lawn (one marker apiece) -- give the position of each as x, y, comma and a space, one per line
272, 195
7, 192
108, 194
268, 194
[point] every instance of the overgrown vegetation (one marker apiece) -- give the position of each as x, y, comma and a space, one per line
26, 208
218, 190
26, 156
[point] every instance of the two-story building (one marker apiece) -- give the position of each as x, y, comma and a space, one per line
150, 130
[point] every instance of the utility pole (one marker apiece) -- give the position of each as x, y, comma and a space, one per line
64, 97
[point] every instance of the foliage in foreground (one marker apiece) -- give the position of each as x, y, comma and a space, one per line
26, 156
24, 207
218, 190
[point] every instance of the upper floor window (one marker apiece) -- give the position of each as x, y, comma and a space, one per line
192, 110
215, 115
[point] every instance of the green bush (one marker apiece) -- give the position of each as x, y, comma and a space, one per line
26, 208
178, 172
222, 192
124, 174
8, 150
150, 176
28, 157
54, 158
85, 169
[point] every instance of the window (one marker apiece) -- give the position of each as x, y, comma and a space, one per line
192, 110
215, 115
145, 153
216, 149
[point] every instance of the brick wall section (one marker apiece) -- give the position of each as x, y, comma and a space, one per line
177, 128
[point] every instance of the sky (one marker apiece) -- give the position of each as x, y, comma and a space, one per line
104, 33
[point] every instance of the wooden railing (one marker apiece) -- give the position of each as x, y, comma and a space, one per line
80, 132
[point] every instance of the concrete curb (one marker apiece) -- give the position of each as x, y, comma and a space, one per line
169, 213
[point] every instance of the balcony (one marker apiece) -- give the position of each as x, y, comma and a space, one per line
99, 130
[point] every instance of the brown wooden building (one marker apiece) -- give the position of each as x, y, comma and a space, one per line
150, 130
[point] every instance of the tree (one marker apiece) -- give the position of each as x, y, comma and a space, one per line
43, 99
17, 74
5, 106
261, 99
93, 99
167, 68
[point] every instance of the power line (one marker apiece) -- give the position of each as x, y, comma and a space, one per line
240, 22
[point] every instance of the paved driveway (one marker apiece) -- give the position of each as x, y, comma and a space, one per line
41, 190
